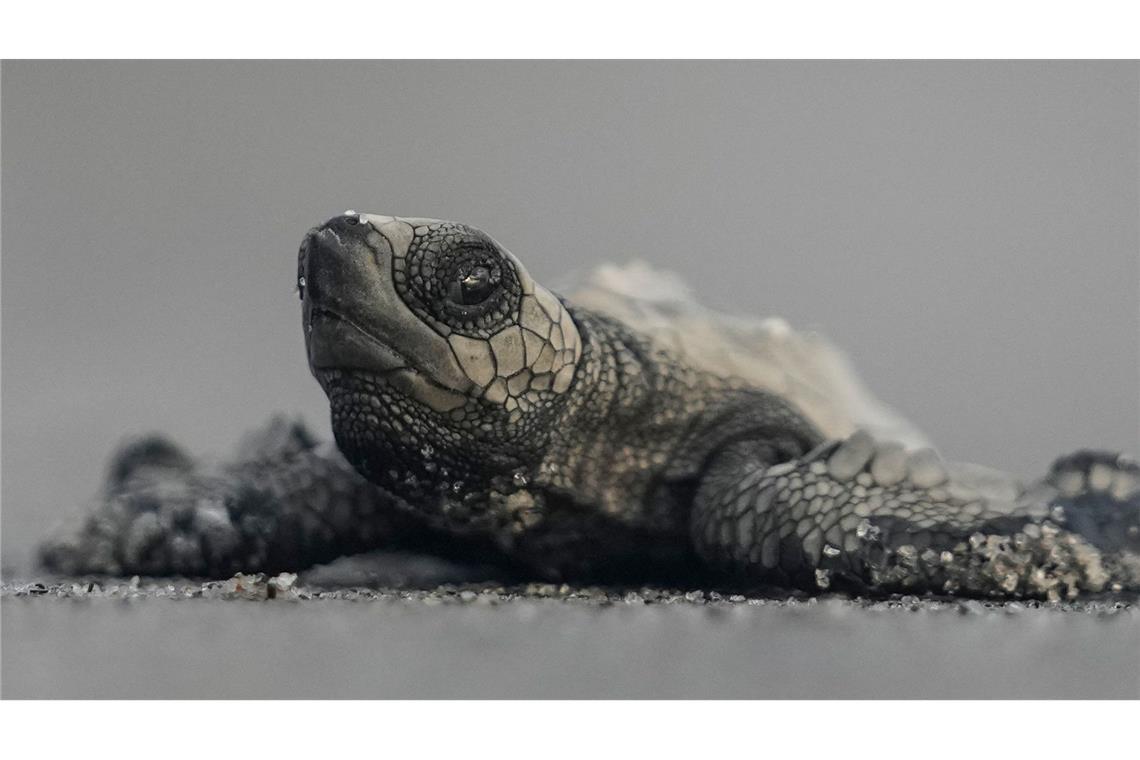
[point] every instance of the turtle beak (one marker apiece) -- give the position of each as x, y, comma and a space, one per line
330, 260
334, 266
353, 318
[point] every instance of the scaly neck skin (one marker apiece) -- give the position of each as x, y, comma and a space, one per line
639, 423
412, 453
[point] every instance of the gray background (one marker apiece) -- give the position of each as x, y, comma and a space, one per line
968, 231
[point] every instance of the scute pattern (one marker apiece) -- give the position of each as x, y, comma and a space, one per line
522, 363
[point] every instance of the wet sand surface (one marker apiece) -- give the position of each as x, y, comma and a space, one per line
229, 640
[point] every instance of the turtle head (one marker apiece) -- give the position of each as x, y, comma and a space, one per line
428, 335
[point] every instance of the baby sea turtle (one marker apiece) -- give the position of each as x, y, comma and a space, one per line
620, 433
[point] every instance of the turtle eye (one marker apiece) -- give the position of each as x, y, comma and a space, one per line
456, 279
471, 287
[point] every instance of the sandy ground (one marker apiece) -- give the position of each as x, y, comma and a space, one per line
253, 637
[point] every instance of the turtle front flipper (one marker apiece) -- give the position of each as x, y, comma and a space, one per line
872, 517
284, 504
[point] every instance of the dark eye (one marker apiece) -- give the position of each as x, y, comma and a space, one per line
471, 287
456, 279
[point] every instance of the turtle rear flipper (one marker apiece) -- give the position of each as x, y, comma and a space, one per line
149, 455
870, 516
1098, 496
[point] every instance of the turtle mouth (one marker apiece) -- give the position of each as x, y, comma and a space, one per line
338, 345
337, 342
355, 320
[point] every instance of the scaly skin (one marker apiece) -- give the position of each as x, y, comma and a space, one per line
483, 408
854, 515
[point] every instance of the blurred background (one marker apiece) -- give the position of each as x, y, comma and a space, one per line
967, 231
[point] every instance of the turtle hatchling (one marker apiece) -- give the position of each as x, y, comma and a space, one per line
620, 433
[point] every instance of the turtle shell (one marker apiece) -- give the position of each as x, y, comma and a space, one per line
804, 368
